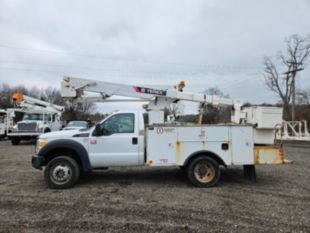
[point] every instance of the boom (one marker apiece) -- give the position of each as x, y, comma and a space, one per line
31, 104
158, 98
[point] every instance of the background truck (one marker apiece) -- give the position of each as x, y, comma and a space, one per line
122, 139
6, 121
38, 117
3, 116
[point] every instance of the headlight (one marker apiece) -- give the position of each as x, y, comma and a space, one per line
40, 144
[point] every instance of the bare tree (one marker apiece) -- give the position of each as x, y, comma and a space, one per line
85, 108
303, 97
51, 95
282, 82
5, 96
215, 91
216, 114
35, 92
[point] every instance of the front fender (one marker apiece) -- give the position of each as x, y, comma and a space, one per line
60, 144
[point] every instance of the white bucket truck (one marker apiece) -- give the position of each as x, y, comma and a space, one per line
123, 139
39, 117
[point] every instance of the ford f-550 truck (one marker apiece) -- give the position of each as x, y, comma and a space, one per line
123, 139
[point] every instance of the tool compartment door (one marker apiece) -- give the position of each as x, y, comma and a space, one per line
204, 138
161, 146
242, 145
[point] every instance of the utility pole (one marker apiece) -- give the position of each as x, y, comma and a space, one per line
294, 73
293, 95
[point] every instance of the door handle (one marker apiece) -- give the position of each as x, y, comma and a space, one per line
225, 146
134, 140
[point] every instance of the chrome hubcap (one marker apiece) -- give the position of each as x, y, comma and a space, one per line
61, 174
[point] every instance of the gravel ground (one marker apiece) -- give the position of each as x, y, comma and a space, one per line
155, 200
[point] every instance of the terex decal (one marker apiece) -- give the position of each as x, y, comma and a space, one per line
149, 91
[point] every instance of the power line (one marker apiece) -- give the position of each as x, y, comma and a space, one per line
166, 73
102, 69
129, 59
96, 57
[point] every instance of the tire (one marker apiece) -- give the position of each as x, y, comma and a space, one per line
61, 172
15, 141
204, 172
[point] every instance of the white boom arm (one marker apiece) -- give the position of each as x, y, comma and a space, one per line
34, 105
158, 98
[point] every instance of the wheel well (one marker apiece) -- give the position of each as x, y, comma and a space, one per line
47, 130
63, 152
207, 154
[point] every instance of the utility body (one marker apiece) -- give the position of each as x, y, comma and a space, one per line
123, 139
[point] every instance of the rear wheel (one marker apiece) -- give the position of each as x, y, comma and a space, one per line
15, 141
203, 172
61, 172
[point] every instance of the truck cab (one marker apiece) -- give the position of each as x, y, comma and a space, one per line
117, 141
33, 124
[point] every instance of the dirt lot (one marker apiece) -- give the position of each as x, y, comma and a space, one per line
154, 200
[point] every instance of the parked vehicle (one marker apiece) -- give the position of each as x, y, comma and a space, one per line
6, 121
3, 116
77, 125
123, 139
39, 117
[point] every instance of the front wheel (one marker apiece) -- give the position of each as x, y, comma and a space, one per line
204, 172
61, 172
15, 141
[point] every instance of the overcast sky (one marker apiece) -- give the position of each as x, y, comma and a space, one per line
207, 43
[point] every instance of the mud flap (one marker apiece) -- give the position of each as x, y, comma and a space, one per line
249, 172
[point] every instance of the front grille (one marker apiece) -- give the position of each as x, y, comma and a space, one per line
27, 126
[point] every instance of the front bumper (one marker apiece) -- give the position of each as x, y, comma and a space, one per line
21, 133
37, 161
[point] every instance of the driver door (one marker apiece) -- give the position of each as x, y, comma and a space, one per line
117, 142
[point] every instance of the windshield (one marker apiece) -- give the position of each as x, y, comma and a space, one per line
35, 117
77, 124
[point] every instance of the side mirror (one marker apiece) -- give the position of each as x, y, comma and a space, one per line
98, 131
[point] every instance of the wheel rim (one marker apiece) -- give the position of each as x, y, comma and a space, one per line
204, 172
60, 173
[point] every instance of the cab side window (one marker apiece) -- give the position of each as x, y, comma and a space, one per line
119, 123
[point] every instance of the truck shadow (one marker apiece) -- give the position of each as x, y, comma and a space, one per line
161, 176
126, 177
22, 143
